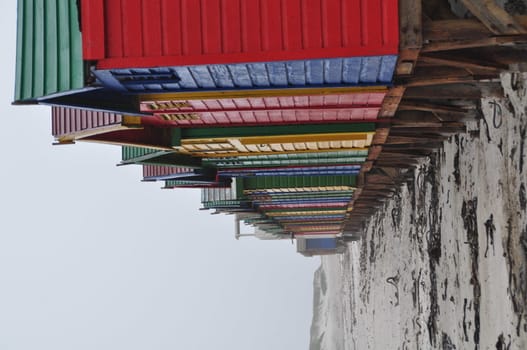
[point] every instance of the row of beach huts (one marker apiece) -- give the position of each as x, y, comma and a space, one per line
268, 106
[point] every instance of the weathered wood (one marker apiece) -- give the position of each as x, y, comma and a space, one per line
374, 151
428, 107
375, 195
410, 24
418, 127
422, 120
379, 187
415, 119
407, 61
372, 202
359, 215
410, 34
429, 132
496, 19
437, 9
461, 62
471, 44
423, 147
460, 29
398, 155
390, 172
391, 102
401, 163
379, 179
425, 126
369, 203
366, 166
502, 54
413, 139
381, 192
361, 179
381, 133
455, 91
453, 79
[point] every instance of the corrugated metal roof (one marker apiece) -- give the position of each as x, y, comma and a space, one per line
352, 71
305, 192
69, 124
193, 184
330, 107
268, 182
232, 146
290, 159
301, 170
164, 172
49, 49
366, 98
138, 154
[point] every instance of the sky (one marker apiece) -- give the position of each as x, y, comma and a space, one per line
90, 257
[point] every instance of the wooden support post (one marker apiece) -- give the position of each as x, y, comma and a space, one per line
411, 37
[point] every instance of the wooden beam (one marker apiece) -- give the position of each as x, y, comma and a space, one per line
382, 192
423, 147
452, 79
496, 19
465, 63
503, 54
429, 132
414, 118
472, 91
379, 187
403, 163
374, 152
414, 139
391, 102
429, 107
407, 61
394, 173
471, 44
460, 29
379, 179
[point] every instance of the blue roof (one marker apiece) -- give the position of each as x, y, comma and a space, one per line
353, 71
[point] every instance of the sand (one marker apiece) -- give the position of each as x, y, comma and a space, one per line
443, 264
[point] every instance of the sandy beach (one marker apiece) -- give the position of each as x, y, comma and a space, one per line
443, 264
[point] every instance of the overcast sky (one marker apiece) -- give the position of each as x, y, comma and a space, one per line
91, 258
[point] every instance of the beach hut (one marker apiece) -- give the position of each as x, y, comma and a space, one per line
49, 59
146, 46
72, 124
319, 246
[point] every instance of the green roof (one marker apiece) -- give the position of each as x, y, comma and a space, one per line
268, 182
49, 49
288, 159
142, 155
139, 154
